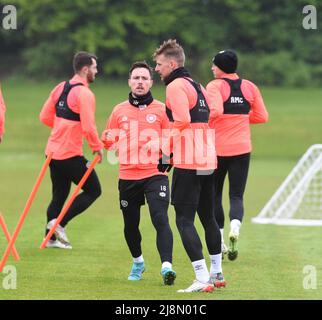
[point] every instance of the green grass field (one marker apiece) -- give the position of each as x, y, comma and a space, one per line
271, 260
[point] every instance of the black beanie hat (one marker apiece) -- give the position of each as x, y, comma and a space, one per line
226, 60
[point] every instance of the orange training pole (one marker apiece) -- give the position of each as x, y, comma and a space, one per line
8, 237
25, 211
70, 201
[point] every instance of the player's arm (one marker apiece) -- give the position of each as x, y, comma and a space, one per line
179, 103
215, 100
47, 114
215, 97
258, 113
86, 101
111, 133
165, 128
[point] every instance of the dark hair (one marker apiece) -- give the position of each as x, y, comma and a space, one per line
141, 64
82, 59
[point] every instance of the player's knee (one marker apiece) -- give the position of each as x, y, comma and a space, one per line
236, 197
210, 223
95, 192
130, 228
183, 223
160, 220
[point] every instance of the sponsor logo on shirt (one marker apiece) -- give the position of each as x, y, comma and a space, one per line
202, 106
236, 100
202, 103
162, 194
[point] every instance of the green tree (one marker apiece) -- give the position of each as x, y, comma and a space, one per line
272, 45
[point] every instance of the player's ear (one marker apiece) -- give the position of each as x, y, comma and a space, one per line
85, 69
173, 64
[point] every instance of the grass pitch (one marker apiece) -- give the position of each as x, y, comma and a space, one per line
271, 259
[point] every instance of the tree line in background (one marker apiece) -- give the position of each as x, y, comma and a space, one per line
273, 46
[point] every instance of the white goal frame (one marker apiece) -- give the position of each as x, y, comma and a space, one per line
286, 200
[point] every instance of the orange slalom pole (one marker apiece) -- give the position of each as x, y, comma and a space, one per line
8, 237
70, 201
25, 211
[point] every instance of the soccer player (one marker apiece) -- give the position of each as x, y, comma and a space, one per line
69, 111
132, 125
239, 103
2, 117
191, 142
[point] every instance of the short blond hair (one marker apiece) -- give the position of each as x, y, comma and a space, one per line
171, 49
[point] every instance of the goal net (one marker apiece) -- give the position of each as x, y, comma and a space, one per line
298, 201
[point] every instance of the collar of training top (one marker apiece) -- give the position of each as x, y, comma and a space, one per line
177, 73
138, 101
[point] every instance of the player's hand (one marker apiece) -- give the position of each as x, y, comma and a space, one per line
108, 136
165, 163
100, 153
109, 140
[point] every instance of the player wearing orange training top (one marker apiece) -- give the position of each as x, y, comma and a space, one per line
129, 127
194, 158
69, 111
239, 104
2, 117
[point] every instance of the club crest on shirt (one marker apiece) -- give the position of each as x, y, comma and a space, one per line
124, 203
151, 118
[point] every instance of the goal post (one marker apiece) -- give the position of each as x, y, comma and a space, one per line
298, 201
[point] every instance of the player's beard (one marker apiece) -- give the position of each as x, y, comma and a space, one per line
139, 94
90, 77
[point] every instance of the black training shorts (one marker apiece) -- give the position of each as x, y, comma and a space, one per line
133, 192
187, 186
